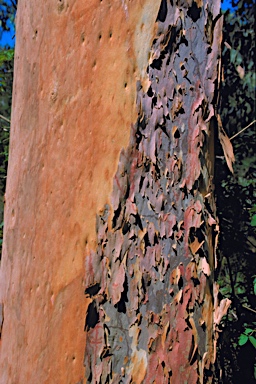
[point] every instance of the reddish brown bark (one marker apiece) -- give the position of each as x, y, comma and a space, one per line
153, 311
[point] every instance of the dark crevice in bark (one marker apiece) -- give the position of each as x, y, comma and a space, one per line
194, 12
92, 316
121, 305
93, 290
162, 11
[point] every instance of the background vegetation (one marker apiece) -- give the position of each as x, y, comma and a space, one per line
236, 196
7, 16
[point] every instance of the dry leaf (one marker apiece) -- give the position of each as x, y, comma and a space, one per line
240, 71
220, 307
226, 145
227, 45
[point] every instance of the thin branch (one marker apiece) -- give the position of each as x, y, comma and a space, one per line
253, 245
238, 133
220, 157
5, 118
250, 309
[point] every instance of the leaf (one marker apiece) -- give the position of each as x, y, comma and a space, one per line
244, 182
239, 58
240, 71
226, 145
220, 308
253, 221
242, 339
241, 290
6, 55
240, 277
254, 285
247, 331
233, 54
225, 290
253, 209
253, 341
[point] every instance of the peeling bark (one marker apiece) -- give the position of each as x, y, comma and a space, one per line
151, 279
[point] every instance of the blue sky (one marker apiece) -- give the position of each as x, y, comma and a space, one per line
226, 5
8, 37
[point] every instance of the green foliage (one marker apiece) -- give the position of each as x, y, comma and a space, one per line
6, 79
247, 335
253, 216
7, 15
239, 50
6, 55
236, 196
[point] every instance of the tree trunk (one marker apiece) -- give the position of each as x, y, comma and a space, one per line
154, 311
73, 104
151, 302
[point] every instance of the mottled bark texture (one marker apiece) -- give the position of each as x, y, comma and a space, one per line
154, 310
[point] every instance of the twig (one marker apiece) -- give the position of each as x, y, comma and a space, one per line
250, 309
250, 243
238, 133
5, 118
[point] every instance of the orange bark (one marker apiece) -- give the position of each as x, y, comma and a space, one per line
73, 105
